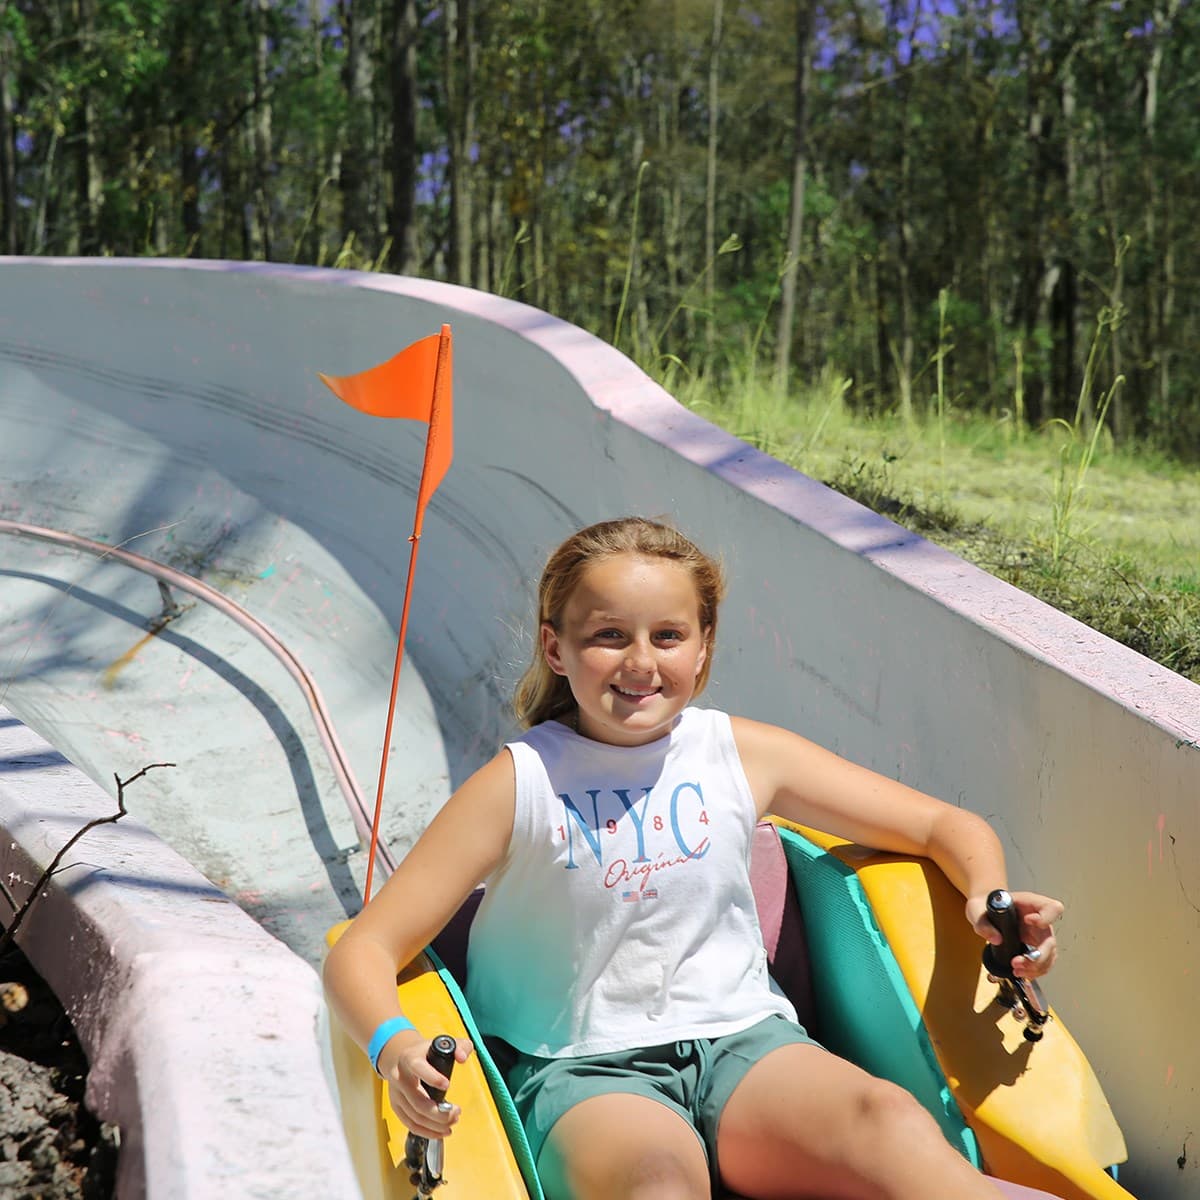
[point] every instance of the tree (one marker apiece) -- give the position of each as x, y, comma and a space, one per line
403, 158
805, 17
596, 158
11, 29
360, 144
710, 180
460, 66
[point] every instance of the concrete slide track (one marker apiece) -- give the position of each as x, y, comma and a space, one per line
173, 408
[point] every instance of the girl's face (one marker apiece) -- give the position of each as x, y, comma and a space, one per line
631, 646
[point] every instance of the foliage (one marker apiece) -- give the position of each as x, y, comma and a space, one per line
992, 153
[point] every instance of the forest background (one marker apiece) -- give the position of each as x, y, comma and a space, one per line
954, 235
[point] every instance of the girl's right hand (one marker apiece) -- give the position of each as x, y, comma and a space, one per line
405, 1067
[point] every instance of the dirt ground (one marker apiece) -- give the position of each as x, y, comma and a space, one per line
51, 1146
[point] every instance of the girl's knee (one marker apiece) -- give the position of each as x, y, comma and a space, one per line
645, 1172
660, 1173
889, 1110
623, 1147
650, 1173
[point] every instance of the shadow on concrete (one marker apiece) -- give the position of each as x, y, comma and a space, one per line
340, 877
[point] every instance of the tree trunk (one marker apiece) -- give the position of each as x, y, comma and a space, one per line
8, 166
632, 283
485, 274
800, 90
261, 149
904, 352
89, 177
710, 184
358, 143
187, 148
401, 226
460, 62
671, 215
879, 347
1067, 376
1167, 289
1044, 51
537, 200
308, 243
1156, 234
989, 254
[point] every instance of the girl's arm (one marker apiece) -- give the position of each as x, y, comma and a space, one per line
464, 842
800, 781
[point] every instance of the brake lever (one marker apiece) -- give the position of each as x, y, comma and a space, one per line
1023, 997
425, 1157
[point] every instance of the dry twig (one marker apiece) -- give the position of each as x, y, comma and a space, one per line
23, 911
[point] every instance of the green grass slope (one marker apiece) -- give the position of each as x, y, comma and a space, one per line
1110, 536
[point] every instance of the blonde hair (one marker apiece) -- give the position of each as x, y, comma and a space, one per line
542, 695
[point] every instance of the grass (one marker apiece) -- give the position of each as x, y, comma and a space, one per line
1126, 562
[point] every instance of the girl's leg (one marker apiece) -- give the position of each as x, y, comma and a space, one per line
805, 1123
623, 1147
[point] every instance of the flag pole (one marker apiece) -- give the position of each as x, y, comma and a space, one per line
441, 377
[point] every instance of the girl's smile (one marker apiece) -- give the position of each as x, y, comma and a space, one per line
631, 646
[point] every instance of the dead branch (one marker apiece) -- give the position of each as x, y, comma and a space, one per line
21, 913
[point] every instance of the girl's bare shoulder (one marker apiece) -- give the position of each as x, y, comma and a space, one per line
487, 797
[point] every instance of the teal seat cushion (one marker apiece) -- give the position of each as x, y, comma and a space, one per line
864, 1010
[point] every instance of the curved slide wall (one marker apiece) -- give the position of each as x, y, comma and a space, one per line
182, 398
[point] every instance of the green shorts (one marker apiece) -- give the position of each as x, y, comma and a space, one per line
694, 1078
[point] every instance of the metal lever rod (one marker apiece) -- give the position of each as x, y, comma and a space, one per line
424, 1157
1023, 996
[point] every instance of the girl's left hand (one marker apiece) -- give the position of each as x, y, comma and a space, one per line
1038, 915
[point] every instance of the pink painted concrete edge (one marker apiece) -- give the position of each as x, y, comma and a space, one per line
202, 1030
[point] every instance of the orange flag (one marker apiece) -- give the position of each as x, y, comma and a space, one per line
417, 383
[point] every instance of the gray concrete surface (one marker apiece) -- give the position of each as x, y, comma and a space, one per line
252, 795
182, 398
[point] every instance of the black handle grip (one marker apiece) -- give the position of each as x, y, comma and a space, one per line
422, 1156
1023, 996
441, 1055
1002, 913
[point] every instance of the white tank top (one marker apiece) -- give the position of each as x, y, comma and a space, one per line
622, 914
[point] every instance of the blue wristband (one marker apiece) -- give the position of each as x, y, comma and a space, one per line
384, 1034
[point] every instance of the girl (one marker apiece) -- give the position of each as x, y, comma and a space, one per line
616, 959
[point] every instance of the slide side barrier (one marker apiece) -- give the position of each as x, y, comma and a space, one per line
200, 1028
